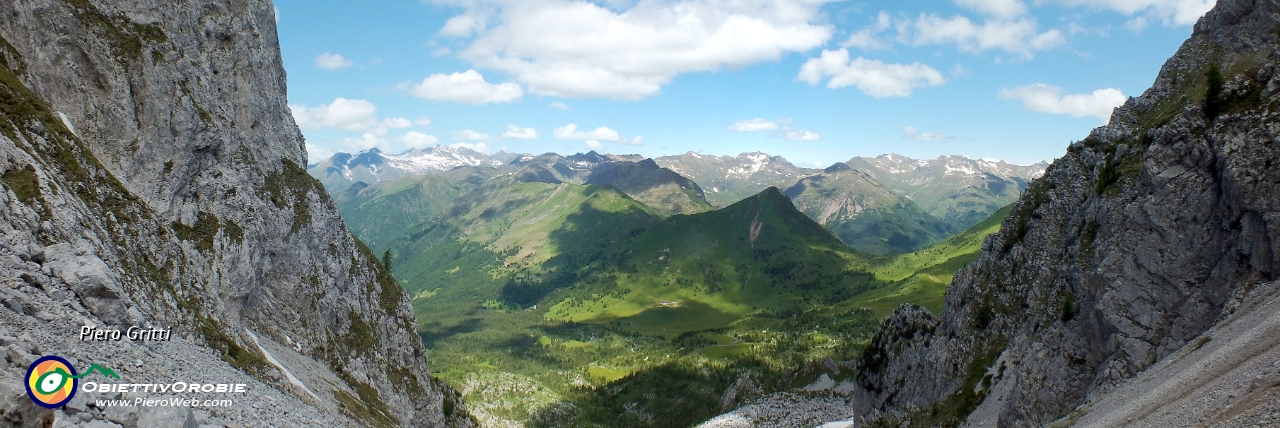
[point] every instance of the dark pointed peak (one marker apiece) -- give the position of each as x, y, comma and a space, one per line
837, 167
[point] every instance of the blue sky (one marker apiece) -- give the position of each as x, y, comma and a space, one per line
815, 81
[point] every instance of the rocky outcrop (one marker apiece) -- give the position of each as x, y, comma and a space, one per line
153, 175
1127, 250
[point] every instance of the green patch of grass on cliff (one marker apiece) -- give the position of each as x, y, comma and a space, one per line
24, 184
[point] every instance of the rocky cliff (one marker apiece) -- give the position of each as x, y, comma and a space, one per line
1139, 239
1139, 268
152, 175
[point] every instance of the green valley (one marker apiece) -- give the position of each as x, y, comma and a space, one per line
550, 293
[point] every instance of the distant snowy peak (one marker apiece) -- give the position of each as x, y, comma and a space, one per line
438, 158
953, 165
414, 161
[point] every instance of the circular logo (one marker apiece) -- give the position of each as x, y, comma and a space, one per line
51, 381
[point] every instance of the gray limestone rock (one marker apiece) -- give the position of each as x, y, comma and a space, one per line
166, 416
154, 176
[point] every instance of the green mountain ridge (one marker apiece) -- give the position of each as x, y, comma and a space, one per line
655, 186
864, 213
758, 254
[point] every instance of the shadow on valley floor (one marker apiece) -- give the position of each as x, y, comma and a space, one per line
586, 249
676, 394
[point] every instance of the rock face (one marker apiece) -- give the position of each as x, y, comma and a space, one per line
152, 175
1131, 246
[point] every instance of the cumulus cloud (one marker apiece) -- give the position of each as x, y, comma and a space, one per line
910, 133
1019, 36
752, 125
468, 87
595, 146
1171, 12
873, 77
791, 134
342, 113
1002, 9
629, 50
332, 61
318, 153
1005, 28
468, 134
463, 25
571, 132
867, 39
559, 106
1049, 99
514, 131
418, 140
422, 121
396, 122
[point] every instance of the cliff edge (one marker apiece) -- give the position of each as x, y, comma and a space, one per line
153, 176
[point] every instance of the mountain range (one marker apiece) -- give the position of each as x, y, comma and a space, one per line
884, 205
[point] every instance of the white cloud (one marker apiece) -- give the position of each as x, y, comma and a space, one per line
791, 134
1171, 12
637, 141
396, 122
1013, 36
752, 125
376, 137
579, 49
418, 140
1137, 24
910, 133
464, 25
595, 145
332, 61
467, 87
479, 147
571, 132
1049, 99
1002, 9
873, 77
342, 113
559, 106
468, 134
318, 153
866, 38
514, 131
422, 121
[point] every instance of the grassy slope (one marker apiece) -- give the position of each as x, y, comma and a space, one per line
922, 277
706, 271
382, 212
